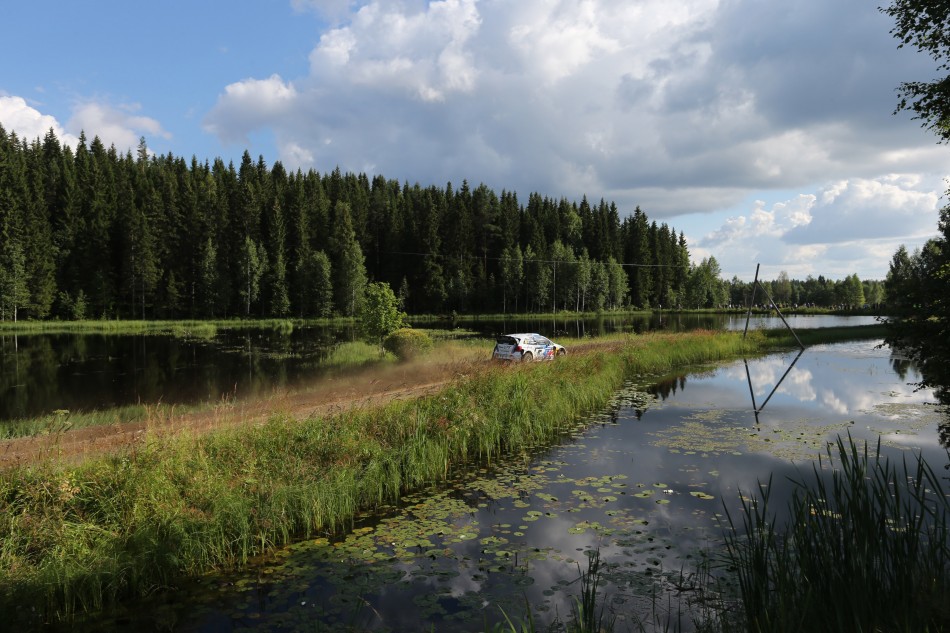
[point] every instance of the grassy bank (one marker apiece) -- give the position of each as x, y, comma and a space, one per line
75, 539
827, 335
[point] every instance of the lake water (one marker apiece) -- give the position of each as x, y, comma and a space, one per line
42, 373
643, 483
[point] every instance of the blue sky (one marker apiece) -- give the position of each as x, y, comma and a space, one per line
762, 130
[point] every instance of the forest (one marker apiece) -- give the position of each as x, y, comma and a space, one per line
93, 233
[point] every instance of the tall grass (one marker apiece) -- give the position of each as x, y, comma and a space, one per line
73, 539
62, 420
354, 354
869, 551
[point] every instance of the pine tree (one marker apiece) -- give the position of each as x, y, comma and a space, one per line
40, 265
208, 278
254, 262
349, 268
639, 258
14, 293
279, 304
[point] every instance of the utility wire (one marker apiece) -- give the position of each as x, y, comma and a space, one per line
539, 261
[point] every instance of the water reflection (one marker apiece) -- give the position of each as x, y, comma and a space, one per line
756, 408
44, 372
846, 382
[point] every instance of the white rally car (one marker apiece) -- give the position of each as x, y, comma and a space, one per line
526, 347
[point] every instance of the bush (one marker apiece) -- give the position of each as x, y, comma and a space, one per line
407, 343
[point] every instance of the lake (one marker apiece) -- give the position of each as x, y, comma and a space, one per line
42, 373
643, 483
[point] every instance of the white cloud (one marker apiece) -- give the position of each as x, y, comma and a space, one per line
561, 38
29, 123
423, 55
681, 108
118, 126
848, 226
862, 208
761, 222
248, 104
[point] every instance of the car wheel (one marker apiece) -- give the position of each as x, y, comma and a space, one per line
527, 356
561, 352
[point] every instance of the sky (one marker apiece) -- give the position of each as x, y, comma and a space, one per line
763, 130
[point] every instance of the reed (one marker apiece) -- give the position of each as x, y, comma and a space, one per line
868, 550
589, 610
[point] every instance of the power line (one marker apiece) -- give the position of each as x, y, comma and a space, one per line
536, 260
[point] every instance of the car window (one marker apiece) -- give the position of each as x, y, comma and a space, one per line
506, 340
540, 340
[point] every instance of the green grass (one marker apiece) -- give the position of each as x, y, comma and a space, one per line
62, 420
355, 354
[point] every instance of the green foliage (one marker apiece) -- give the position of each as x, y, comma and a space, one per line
253, 265
925, 25
512, 275
149, 237
14, 294
379, 314
704, 288
407, 343
317, 296
921, 282
349, 267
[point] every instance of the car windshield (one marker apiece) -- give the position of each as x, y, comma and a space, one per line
506, 340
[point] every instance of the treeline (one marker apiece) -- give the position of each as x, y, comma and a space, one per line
92, 233
919, 284
848, 293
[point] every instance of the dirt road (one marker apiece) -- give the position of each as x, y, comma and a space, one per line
353, 389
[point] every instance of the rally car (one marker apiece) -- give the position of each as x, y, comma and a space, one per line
526, 347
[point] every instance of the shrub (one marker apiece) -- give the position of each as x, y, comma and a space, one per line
407, 343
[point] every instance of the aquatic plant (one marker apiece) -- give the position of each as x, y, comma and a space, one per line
589, 608
867, 551
194, 330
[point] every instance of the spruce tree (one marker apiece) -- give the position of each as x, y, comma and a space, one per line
349, 268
